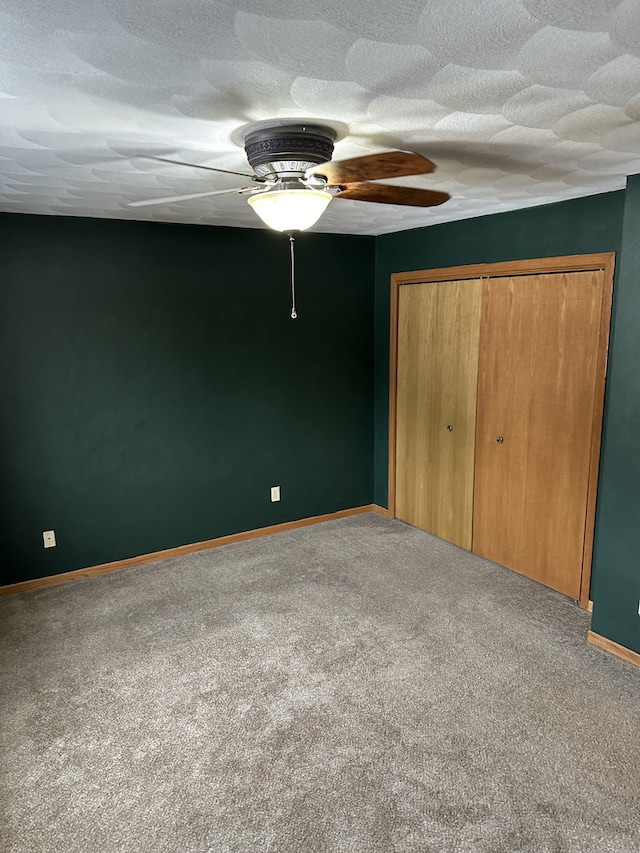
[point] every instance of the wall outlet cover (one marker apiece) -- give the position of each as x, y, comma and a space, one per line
49, 538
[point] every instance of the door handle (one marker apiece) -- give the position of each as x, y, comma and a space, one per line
499, 439
449, 428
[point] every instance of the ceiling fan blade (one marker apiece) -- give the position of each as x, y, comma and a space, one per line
374, 167
176, 198
198, 166
390, 194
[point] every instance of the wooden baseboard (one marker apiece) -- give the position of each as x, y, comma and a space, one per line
104, 568
381, 510
609, 646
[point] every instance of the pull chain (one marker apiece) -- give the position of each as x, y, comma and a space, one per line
294, 313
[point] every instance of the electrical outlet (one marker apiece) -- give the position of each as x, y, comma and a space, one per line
275, 493
49, 538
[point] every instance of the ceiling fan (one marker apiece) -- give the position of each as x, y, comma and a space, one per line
297, 179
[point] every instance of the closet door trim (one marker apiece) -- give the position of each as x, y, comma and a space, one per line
567, 263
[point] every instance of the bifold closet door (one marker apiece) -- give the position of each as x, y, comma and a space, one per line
438, 334
536, 395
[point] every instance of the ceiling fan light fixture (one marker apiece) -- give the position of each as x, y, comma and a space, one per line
292, 209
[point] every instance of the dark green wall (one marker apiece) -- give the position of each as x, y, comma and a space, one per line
616, 582
574, 227
154, 386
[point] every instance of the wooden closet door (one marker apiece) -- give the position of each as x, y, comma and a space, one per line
536, 396
438, 334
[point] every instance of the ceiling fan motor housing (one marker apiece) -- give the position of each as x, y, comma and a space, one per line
288, 151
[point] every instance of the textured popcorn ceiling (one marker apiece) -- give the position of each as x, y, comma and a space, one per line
519, 102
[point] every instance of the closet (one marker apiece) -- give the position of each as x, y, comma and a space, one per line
497, 385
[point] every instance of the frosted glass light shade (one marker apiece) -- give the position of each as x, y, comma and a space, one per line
290, 210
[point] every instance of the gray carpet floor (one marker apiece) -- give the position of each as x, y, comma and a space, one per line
355, 686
